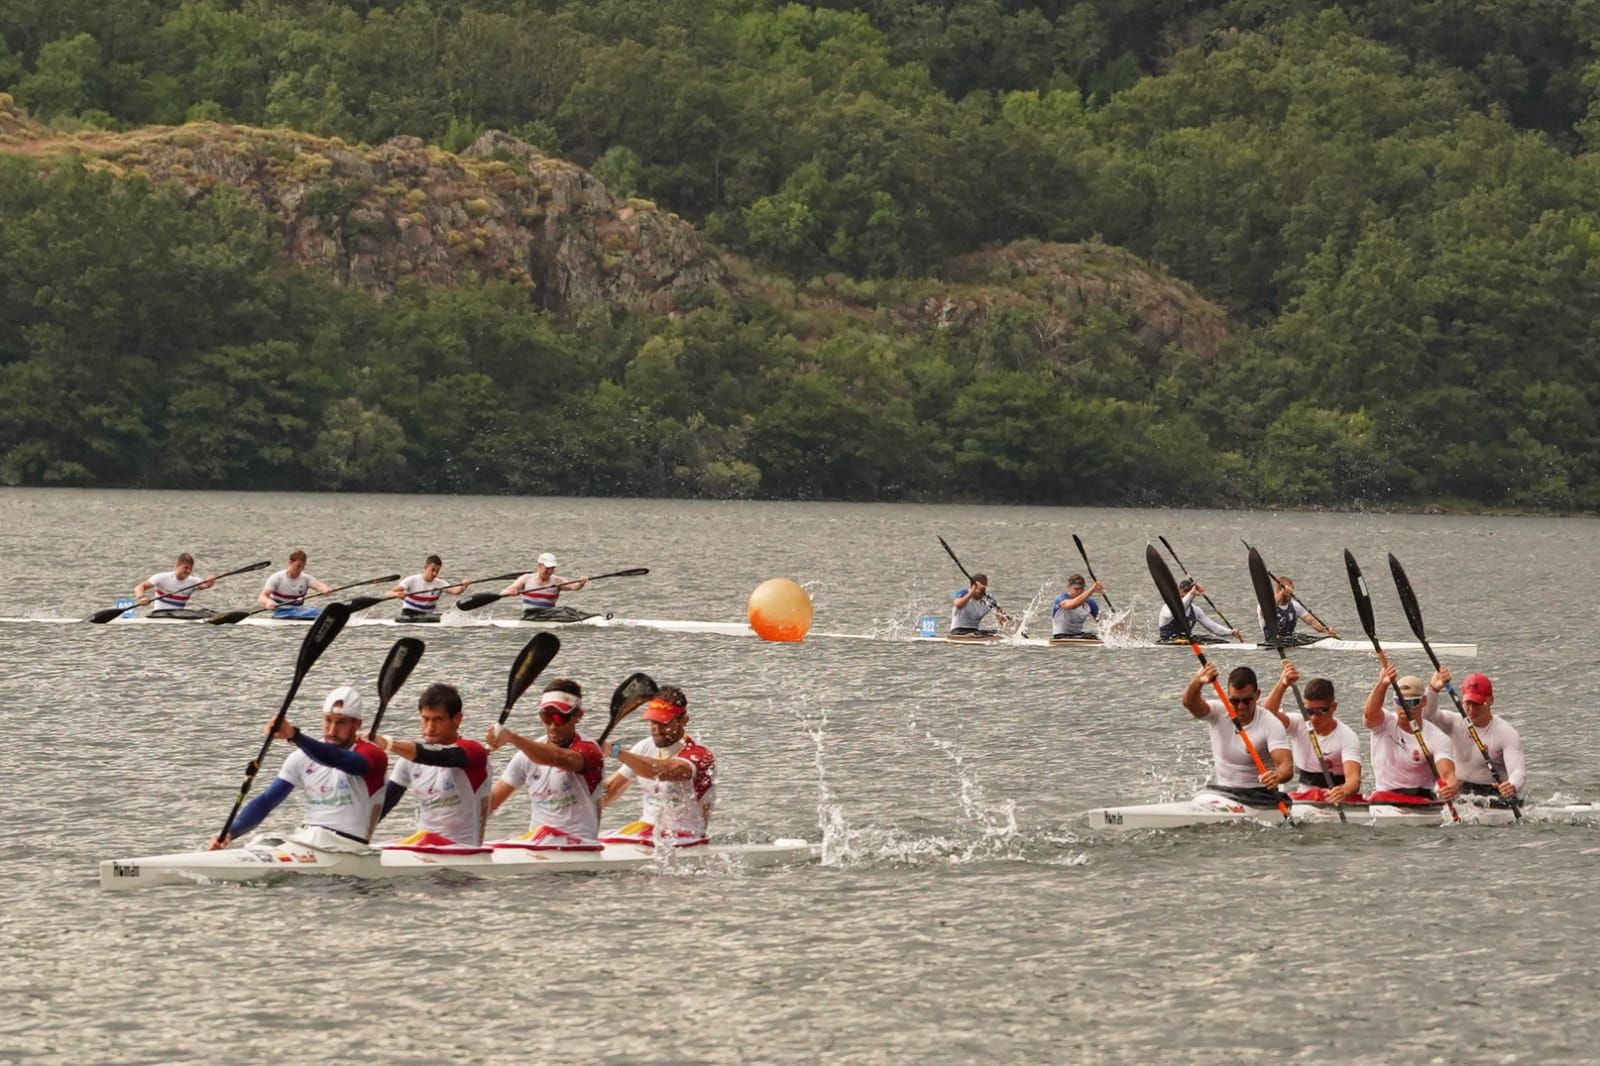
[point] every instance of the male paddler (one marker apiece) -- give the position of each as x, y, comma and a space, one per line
286, 590
448, 773
971, 605
1399, 765
421, 592
1291, 611
1335, 778
341, 775
541, 589
1170, 632
1234, 773
1073, 609
1499, 737
561, 774
677, 775
170, 590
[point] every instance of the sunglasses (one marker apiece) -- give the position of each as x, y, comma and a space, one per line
558, 717
1241, 701
1318, 710
1408, 702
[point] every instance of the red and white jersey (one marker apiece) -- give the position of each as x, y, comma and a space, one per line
562, 799
451, 801
345, 803
544, 597
172, 594
1230, 760
422, 595
680, 807
1499, 736
285, 590
1397, 760
1339, 747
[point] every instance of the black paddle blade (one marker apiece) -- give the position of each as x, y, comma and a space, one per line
361, 603
397, 666
1168, 587
637, 571
1358, 589
476, 600
635, 687
1266, 595
100, 618
531, 661
327, 626
227, 619
1408, 598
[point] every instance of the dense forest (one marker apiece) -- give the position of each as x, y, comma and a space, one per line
1397, 205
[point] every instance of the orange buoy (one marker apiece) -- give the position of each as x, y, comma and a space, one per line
780, 610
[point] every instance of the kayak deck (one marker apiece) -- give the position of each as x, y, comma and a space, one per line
1212, 808
266, 859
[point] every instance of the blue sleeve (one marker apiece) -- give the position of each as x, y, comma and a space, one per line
256, 811
333, 755
392, 794
1094, 609
1055, 608
959, 593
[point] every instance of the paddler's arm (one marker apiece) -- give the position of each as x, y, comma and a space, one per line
616, 785
396, 592
264, 599
1282, 771
393, 793
1193, 702
498, 795
347, 759
1372, 711
1516, 768
574, 585
1274, 699
1352, 783
540, 751
515, 586
1313, 621
451, 755
256, 811
1448, 785
669, 769
141, 588
321, 586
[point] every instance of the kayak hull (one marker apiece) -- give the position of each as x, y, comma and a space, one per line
1212, 808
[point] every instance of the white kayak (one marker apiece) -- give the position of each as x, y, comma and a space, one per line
274, 858
1215, 808
994, 640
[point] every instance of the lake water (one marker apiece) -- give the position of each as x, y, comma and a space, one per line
963, 913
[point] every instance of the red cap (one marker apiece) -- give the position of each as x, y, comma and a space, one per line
1477, 689
660, 710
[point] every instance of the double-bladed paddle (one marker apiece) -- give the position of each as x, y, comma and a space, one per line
1358, 588
529, 664
326, 626
357, 603
397, 666
634, 690
1266, 596
1186, 574
1092, 579
990, 600
100, 618
1168, 587
483, 599
1413, 611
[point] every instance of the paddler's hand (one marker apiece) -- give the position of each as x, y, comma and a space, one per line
1440, 678
1388, 675
1340, 793
1096, 587
1268, 778
218, 845
285, 731
1288, 675
495, 737
1238, 637
1507, 789
1206, 674
1448, 790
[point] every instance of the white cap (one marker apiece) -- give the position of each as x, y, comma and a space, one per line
343, 700
547, 560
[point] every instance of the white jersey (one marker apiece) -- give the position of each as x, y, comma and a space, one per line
1164, 621
1230, 760
562, 799
1500, 737
1339, 747
1288, 616
334, 799
451, 801
680, 808
535, 597
285, 590
970, 616
422, 595
1397, 761
170, 593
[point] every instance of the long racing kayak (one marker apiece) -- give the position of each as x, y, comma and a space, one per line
1215, 808
275, 858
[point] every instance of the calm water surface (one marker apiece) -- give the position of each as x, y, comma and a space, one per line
964, 913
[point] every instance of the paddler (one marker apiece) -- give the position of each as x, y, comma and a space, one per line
1337, 779
1399, 767
971, 606
676, 774
1499, 737
448, 773
170, 590
541, 589
341, 774
561, 773
1073, 609
1290, 612
1234, 773
286, 590
1171, 633
421, 592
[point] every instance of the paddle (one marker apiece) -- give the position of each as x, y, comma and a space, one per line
1413, 610
483, 599
317, 638
1207, 596
1092, 579
634, 690
1293, 595
990, 600
358, 603
1168, 587
1358, 588
530, 663
100, 618
1266, 596
397, 666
